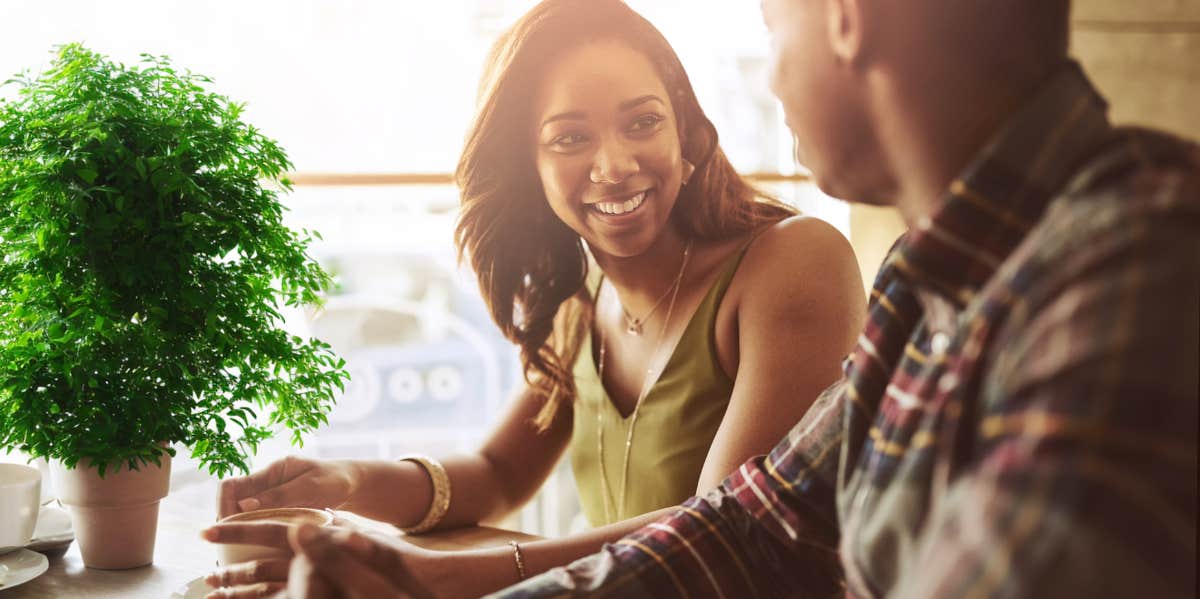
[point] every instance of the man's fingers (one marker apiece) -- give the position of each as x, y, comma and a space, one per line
361, 573
254, 591
267, 534
305, 583
375, 554
272, 570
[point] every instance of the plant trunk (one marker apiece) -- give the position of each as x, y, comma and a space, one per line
115, 517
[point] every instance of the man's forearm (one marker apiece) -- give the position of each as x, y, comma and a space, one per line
709, 546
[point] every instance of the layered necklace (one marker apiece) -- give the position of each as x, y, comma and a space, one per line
673, 292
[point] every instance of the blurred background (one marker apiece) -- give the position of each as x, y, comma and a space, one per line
372, 99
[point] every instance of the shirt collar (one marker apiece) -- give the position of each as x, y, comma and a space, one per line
998, 198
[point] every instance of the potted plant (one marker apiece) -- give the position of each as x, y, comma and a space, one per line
143, 264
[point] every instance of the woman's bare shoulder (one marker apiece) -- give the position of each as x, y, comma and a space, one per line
795, 251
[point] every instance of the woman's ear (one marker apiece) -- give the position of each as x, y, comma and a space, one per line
688, 170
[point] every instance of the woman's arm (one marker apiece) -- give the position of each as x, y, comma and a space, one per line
506, 471
502, 475
799, 307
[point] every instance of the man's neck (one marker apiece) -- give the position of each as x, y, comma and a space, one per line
932, 125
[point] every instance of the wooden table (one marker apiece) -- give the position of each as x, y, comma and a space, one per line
181, 556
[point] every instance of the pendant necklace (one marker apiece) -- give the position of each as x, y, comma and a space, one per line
633, 326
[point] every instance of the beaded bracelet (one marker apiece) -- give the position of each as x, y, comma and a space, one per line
520, 561
441, 494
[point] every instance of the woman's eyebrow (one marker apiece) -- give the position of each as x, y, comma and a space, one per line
577, 115
564, 116
638, 101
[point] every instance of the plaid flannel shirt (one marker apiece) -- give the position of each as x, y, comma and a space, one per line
1019, 417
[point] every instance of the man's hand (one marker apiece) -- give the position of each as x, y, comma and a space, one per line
344, 563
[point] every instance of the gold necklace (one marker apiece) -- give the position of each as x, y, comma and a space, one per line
633, 326
606, 494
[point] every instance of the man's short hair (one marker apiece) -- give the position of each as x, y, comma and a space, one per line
1005, 34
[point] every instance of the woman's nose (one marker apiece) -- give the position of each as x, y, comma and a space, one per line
614, 163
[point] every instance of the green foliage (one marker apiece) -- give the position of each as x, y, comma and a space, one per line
142, 266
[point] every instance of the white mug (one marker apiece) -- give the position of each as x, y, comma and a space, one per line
20, 492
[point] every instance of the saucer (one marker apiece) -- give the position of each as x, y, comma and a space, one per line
23, 566
194, 589
53, 531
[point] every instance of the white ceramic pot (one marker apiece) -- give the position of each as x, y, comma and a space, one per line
116, 517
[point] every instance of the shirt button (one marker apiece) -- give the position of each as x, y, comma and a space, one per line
948, 382
939, 343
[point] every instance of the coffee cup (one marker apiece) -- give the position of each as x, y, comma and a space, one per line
231, 553
20, 492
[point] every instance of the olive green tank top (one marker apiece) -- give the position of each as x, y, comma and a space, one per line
676, 423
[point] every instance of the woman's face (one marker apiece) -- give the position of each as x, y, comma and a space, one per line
607, 147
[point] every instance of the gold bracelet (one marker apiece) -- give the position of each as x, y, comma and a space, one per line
441, 494
520, 561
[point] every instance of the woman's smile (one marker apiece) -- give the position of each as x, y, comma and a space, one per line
621, 211
621, 205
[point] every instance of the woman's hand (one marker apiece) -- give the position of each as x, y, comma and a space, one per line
290, 482
253, 579
257, 578
329, 562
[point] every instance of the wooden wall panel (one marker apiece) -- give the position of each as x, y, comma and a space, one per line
1136, 10
1143, 55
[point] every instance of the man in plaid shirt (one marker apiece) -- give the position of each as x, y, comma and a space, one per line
1019, 417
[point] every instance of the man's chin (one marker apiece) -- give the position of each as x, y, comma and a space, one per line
851, 194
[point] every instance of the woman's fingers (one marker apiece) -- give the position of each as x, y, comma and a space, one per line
230, 492
243, 493
248, 573
254, 591
297, 492
268, 534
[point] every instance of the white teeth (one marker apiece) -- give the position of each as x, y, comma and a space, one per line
621, 207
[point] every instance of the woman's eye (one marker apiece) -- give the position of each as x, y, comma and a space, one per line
568, 140
645, 123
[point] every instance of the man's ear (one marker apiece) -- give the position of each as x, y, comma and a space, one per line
846, 29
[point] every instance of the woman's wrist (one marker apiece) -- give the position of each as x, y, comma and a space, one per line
395, 492
491, 570
355, 472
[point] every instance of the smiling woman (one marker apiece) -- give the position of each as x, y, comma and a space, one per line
607, 146
672, 320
